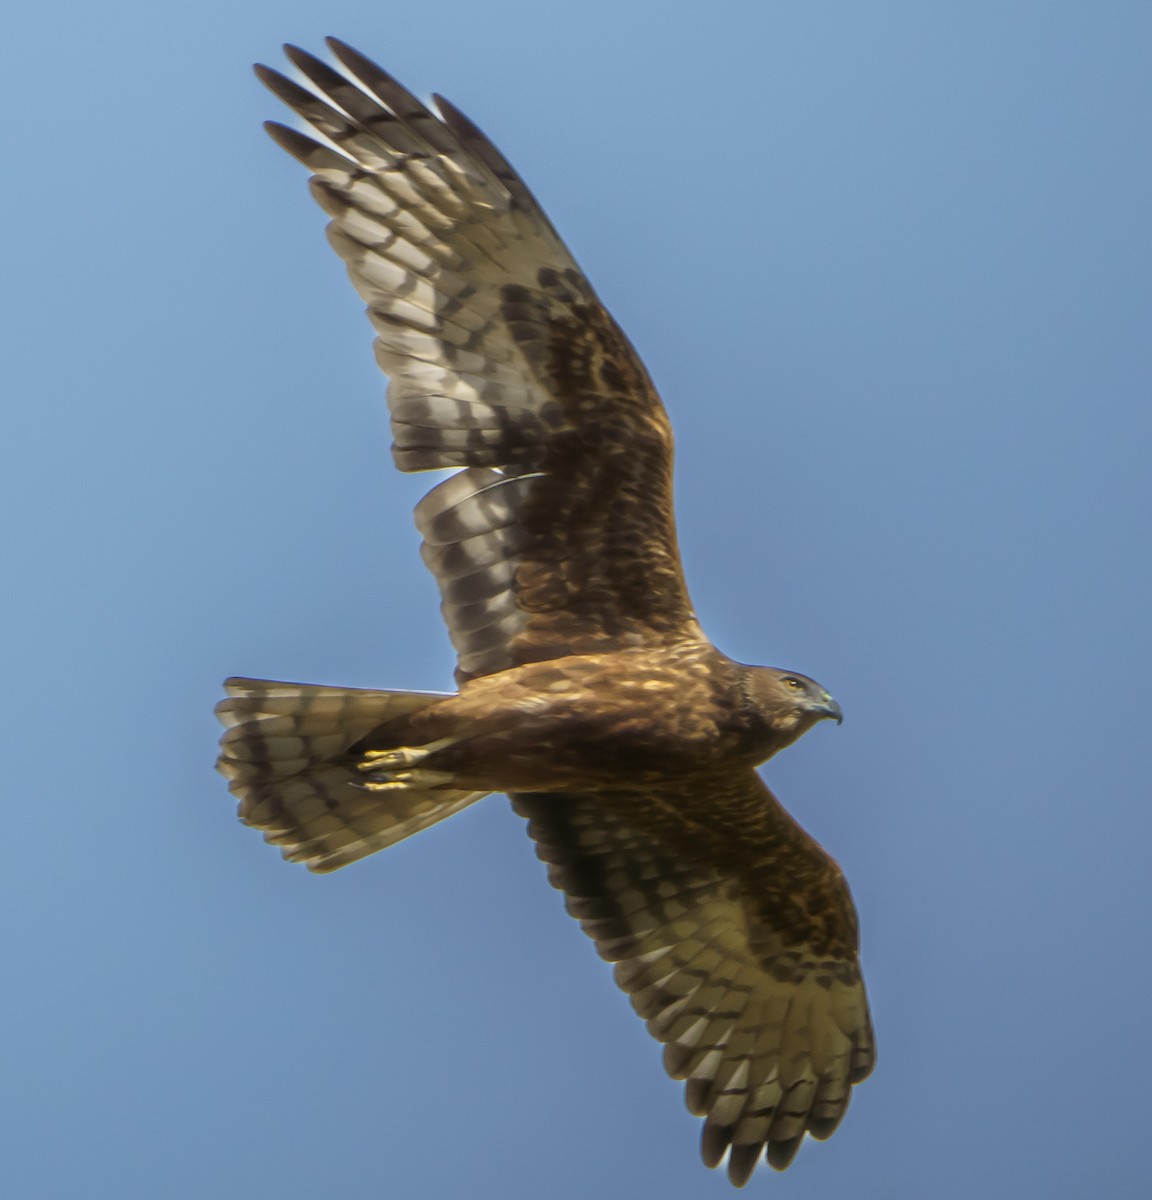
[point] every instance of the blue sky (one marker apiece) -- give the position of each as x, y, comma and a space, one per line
889, 265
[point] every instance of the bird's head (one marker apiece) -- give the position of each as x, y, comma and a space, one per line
792, 703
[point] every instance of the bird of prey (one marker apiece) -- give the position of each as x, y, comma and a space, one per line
587, 689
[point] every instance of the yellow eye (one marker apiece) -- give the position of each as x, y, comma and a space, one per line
795, 684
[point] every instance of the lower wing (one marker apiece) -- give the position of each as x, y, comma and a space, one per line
737, 946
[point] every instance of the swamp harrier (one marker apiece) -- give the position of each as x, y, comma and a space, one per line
587, 689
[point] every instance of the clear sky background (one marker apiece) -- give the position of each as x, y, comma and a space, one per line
889, 264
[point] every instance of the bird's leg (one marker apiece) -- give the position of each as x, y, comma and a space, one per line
390, 769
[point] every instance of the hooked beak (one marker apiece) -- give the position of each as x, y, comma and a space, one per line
828, 710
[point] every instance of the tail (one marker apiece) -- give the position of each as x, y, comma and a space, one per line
285, 754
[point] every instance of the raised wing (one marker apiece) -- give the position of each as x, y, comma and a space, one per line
558, 537
736, 941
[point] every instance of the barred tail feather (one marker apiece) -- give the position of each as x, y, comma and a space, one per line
285, 754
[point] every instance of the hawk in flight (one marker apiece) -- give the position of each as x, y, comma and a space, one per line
588, 691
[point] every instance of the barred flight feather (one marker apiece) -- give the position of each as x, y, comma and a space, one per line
499, 351
766, 1055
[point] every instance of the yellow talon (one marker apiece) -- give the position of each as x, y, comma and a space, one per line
384, 760
372, 785
403, 756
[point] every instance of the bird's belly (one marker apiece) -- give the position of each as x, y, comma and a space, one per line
609, 748
593, 723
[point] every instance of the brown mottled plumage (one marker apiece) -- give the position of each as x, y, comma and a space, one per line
587, 688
